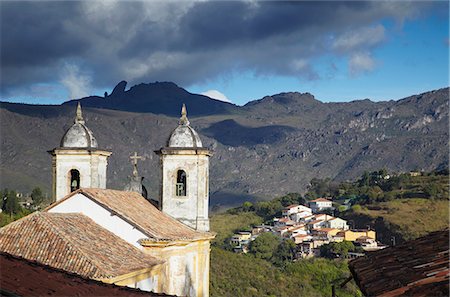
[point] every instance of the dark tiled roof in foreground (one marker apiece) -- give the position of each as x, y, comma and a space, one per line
418, 267
135, 209
21, 277
74, 243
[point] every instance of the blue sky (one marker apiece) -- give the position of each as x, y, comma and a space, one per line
241, 50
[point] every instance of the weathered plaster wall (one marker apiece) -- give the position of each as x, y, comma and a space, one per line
191, 209
186, 270
91, 165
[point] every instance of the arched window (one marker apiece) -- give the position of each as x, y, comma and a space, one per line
180, 189
74, 180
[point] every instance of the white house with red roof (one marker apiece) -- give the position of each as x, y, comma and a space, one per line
293, 209
320, 204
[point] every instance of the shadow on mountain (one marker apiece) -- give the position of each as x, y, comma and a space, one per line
221, 200
158, 98
38, 111
229, 132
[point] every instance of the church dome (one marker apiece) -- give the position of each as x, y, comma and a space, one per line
184, 135
78, 136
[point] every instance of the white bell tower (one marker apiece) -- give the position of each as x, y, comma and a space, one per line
77, 162
185, 176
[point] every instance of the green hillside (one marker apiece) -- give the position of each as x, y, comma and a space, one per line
400, 206
409, 218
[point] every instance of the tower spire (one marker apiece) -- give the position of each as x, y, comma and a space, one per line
79, 116
184, 120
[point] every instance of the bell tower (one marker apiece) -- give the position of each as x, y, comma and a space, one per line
185, 176
77, 162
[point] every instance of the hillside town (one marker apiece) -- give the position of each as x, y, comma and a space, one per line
310, 228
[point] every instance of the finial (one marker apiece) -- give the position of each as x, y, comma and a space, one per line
79, 117
184, 120
134, 159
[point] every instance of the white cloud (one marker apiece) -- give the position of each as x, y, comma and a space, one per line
77, 83
360, 63
216, 95
361, 38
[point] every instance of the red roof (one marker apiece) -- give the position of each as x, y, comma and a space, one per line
418, 267
21, 277
292, 206
320, 200
72, 242
137, 211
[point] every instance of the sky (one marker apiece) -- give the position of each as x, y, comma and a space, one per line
235, 51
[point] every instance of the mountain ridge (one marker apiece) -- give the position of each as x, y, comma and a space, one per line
261, 151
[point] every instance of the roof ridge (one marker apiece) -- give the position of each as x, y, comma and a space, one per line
74, 245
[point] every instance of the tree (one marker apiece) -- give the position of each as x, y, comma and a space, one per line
37, 196
264, 246
11, 203
431, 190
285, 251
247, 206
330, 250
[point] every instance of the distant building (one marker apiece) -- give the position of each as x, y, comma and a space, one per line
320, 204
336, 223
295, 208
352, 235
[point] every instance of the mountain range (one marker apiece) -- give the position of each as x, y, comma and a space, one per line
266, 148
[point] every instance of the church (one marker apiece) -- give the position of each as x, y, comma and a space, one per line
122, 237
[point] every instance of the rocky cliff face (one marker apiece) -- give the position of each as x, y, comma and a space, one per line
266, 148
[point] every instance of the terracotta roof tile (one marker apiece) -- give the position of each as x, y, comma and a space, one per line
320, 200
72, 242
135, 209
415, 268
21, 277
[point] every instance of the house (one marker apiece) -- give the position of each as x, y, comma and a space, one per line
92, 231
314, 224
418, 267
336, 223
352, 235
284, 222
327, 232
300, 238
320, 204
299, 216
298, 229
293, 209
242, 237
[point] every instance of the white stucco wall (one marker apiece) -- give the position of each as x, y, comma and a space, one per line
186, 268
79, 203
191, 209
91, 166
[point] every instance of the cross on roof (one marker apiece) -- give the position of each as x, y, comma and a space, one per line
134, 158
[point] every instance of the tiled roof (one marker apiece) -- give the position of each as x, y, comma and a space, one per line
291, 206
21, 277
418, 267
135, 209
320, 200
74, 243
315, 221
325, 229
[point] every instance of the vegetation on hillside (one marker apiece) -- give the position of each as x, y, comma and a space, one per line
410, 205
410, 218
11, 208
245, 275
380, 186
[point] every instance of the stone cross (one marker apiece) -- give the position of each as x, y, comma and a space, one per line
134, 160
